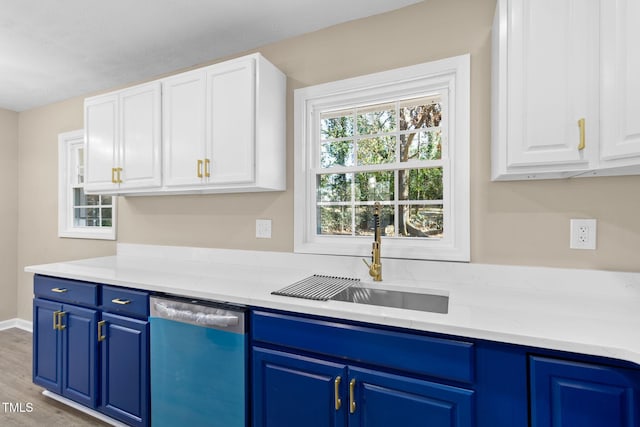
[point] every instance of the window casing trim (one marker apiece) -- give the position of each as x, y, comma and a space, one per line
451, 75
66, 226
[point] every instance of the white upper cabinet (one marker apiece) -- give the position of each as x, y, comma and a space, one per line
219, 128
123, 140
545, 88
620, 88
224, 128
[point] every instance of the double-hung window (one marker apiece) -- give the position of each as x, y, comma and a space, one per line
80, 215
400, 138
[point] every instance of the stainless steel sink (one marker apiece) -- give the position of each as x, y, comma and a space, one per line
393, 298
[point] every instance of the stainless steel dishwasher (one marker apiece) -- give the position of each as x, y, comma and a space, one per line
198, 363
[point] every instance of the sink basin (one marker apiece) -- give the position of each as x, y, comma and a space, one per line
395, 298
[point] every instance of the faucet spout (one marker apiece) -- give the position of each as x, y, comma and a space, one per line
375, 268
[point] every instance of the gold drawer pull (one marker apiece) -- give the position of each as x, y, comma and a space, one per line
59, 290
121, 301
336, 392
101, 336
352, 399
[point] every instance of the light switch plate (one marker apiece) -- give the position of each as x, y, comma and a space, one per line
263, 228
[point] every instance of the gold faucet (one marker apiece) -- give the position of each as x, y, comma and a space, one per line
375, 268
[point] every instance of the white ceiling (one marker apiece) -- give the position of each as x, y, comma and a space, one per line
54, 50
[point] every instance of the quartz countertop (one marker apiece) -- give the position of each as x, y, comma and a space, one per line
584, 311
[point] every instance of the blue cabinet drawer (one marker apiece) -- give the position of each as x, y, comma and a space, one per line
436, 357
66, 290
125, 301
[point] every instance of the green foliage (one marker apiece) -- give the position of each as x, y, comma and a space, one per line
371, 144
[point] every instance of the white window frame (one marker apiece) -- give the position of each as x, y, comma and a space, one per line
451, 75
66, 228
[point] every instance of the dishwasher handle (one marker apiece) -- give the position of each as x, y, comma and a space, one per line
199, 315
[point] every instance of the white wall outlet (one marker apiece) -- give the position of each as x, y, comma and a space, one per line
583, 234
263, 228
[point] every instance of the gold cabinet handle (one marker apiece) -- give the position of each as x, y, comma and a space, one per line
59, 290
336, 392
55, 320
352, 399
113, 176
121, 301
207, 167
199, 169
101, 336
119, 175
582, 143
61, 326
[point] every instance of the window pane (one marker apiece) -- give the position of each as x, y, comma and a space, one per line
80, 162
339, 153
365, 224
86, 217
106, 200
334, 220
420, 221
81, 199
420, 184
375, 151
421, 146
420, 113
336, 124
334, 187
375, 186
376, 119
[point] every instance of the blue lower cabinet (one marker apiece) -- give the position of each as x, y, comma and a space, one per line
98, 359
574, 394
124, 369
47, 344
293, 390
79, 349
382, 400
64, 350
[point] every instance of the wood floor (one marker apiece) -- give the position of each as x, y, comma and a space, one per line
18, 393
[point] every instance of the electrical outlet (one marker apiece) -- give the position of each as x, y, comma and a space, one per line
263, 228
583, 234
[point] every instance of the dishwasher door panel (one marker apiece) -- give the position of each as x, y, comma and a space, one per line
198, 375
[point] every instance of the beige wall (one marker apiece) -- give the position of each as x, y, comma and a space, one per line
524, 223
8, 212
38, 240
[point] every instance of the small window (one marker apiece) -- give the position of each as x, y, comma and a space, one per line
80, 215
400, 138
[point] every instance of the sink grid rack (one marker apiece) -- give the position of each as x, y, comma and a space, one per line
317, 287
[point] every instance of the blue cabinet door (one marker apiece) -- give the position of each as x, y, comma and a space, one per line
296, 391
573, 394
125, 369
79, 347
382, 400
46, 345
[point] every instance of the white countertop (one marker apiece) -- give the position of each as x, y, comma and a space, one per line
583, 311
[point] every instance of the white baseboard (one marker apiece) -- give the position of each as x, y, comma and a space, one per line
25, 325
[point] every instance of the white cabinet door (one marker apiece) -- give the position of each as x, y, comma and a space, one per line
547, 65
183, 128
231, 110
101, 150
620, 80
140, 142
123, 141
